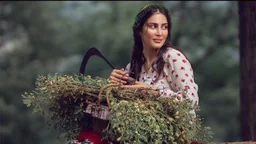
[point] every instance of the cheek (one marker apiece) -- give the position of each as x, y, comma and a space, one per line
147, 36
166, 33
150, 34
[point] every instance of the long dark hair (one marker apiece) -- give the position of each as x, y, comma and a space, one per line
137, 58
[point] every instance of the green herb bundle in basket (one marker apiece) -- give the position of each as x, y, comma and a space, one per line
70, 102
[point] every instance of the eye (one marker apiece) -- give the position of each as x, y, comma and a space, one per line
152, 26
164, 27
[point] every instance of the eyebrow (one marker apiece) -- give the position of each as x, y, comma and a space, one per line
156, 23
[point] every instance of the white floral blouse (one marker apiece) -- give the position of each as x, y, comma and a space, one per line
177, 76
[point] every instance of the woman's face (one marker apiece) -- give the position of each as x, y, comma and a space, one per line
154, 31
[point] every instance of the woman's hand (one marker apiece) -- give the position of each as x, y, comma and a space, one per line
142, 85
117, 76
137, 85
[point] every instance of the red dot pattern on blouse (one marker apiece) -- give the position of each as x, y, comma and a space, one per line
176, 76
180, 72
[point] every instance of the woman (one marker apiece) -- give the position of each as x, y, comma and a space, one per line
154, 62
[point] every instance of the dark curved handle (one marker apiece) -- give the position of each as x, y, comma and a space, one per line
90, 52
94, 51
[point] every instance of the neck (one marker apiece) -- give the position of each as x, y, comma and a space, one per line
150, 56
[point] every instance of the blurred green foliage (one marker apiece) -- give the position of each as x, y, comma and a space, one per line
52, 37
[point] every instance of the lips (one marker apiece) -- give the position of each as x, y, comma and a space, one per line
158, 40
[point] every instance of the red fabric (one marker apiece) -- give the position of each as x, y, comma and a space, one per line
91, 136
96, 138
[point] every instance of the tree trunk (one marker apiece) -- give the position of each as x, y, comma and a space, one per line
247, 36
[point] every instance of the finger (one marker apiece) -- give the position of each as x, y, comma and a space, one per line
119, 75
121, 72
113, 78
125, 72
116, 82
112, 82
128, 86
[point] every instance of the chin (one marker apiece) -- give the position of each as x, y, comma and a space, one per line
157, 46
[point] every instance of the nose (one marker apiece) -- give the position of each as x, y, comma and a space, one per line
159, 31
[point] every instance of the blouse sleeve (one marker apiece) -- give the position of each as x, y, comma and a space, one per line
180, 76
127, 68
